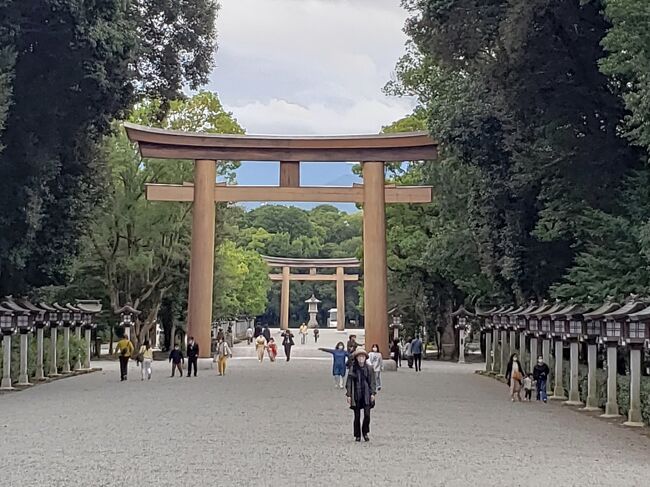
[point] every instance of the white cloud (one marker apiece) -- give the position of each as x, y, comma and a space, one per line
309, 66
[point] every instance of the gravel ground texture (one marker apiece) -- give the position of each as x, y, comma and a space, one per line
286, 424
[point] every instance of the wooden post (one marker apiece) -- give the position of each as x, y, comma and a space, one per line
340, 299
289, 174
199, 315
374, 257
284, 299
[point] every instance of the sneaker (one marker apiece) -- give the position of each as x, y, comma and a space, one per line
357, 438
365, 438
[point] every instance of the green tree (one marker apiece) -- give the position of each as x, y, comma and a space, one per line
67, 70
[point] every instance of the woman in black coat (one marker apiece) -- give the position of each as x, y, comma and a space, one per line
361, 388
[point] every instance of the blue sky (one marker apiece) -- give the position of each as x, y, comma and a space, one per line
298, 67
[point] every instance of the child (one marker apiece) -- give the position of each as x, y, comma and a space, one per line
176, 358
273, 350
528, 387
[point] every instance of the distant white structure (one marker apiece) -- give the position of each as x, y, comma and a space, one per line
332, 318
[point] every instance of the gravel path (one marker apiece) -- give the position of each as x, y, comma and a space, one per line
285, 423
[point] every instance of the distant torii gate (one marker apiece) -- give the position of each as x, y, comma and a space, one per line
207, 149
312, 264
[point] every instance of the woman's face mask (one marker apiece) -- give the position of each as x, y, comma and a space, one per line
340, 347
375, 349
540, 361
361, 359
514, 359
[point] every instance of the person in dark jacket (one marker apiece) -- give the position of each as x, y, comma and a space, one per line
267, 334
540, 374
395, 352
176, 358
361, 388
258, 330
287, 343
192, 356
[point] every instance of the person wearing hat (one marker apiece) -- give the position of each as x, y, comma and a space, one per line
360, 391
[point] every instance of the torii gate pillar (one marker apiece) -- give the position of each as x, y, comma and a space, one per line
375, 279
199, 315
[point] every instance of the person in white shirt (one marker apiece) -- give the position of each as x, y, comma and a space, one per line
376, 361
249, 335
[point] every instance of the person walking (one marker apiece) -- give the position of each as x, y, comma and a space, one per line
416, 350
146, 358
303, 334
287, 343
540, 375
176, 358
514, 375
260, 347
376, 361
316, 334
258, 331
407, 352
193, 354
339, 356
395, 352
249, 335
360, 392
223, 353
266, 333
124, 349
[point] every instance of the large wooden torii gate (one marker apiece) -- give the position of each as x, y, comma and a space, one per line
207, 149
286, 263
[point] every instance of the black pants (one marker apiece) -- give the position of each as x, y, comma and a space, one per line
417, 358
528, 394
287, 351
124, 367
360, 429
191, 362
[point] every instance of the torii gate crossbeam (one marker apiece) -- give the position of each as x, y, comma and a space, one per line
207, 149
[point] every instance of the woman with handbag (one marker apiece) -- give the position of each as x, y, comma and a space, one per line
360, 391
514, 375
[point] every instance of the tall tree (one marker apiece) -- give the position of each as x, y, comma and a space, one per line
67, 69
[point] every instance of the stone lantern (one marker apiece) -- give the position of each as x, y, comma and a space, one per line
461, 315
65, 320
53, 317
24, 321
636, 335
511, 322
593, 328
545, 333
128, 315
486, 326
313, 311
532, 329
90, 309
396, 325
7, 328
572, 320
500, 322
521, 323
77, 323
41, 320
614, 333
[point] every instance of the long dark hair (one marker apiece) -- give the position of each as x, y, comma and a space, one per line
147, 345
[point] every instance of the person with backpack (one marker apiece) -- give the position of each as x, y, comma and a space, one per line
176, 358
193, 355
316, 335
223, 353
124, 349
